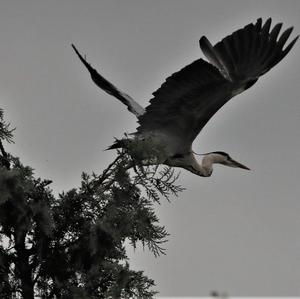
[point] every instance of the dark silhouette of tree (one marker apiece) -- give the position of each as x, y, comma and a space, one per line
73, 245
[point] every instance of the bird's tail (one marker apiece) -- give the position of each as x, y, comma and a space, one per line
249, 52
119, 143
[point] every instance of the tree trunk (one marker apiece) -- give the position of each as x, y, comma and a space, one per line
27, 285
23, 269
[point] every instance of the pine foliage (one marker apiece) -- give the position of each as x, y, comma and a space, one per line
73, 245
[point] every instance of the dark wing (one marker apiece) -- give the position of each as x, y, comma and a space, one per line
104, 84
186, 101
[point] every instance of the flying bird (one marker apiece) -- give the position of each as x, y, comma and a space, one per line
189, 98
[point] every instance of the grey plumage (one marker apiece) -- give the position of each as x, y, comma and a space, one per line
189, 98
195, 93
104, 84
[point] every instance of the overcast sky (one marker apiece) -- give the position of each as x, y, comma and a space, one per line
237, 231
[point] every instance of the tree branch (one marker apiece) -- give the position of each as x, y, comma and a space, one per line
4, 158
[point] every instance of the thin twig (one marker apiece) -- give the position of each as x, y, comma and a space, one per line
106, 173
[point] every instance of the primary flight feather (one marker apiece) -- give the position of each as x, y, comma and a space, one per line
188, 99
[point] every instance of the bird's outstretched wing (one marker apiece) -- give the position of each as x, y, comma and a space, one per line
186, 101
104, 84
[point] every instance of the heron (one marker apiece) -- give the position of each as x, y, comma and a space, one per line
189, 98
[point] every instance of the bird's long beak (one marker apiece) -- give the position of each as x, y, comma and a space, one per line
238, 165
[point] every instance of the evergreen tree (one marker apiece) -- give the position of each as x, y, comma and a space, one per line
73, 246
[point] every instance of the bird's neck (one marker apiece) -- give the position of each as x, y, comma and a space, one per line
205, 168
189, 162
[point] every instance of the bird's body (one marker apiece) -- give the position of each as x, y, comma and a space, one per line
188, 99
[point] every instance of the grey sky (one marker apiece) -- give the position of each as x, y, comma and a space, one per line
236, 231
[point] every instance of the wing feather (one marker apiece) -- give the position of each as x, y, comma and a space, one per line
104, 84
186, 101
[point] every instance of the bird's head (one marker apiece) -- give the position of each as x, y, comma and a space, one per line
222, 158
205, 168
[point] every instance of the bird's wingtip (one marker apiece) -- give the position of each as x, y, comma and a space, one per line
203, 40
82, 59
268, 21
75, 49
